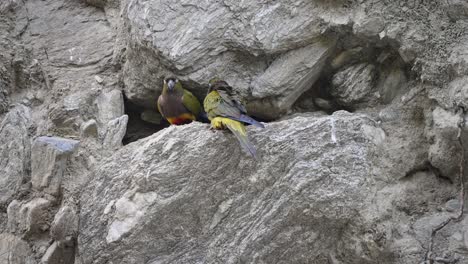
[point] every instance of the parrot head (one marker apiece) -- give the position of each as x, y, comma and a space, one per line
171, 84
216, 84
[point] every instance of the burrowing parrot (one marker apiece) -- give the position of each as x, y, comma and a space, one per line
224, 109
177, 105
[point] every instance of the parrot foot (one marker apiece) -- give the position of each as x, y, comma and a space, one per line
217, 123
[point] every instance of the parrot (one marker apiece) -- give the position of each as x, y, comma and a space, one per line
177, 105
225, 109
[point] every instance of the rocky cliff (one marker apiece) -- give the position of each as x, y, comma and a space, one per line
362, 158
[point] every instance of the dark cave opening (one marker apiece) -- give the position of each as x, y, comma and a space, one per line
138, 128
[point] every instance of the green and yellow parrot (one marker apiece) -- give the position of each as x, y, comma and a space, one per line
224, 109
177, 105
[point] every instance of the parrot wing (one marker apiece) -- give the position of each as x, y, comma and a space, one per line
233, 108
191, 103
159, 104
232, 100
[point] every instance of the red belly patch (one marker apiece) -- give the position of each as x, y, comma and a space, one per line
181, 120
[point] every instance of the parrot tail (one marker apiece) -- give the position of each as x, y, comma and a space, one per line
238, 129
249, 120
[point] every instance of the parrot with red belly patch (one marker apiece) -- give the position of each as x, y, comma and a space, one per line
177, 105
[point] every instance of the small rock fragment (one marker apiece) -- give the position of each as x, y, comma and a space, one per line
12, 212
33, 216
354, 85
14, 250
49, 157
89, 129
452, 205
65, 226
98, 79
116, 130
58, 255
110, 106
444, 153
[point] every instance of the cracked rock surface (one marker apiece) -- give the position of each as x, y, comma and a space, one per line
364, 105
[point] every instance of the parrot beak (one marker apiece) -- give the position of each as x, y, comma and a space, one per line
170, 85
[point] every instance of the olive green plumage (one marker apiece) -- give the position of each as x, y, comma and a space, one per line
225, 109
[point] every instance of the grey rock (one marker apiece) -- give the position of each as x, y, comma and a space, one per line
48, 161
465, 236
89, 129
244, 217
15, 151
389, 114
64, 228
33, 216
58, 255
452, 205
290, 75
67, 114
368, 26
391, 83
14, 250
110, 105
3, 99
405, 149
458, 92
457, 10
12, 213
98, 79
459, 57
354, 85
115, 132
445, 152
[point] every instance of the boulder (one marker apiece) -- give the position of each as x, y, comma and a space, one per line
148, 203
289, 76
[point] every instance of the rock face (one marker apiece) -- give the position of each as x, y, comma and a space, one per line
364, 104
168, 204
